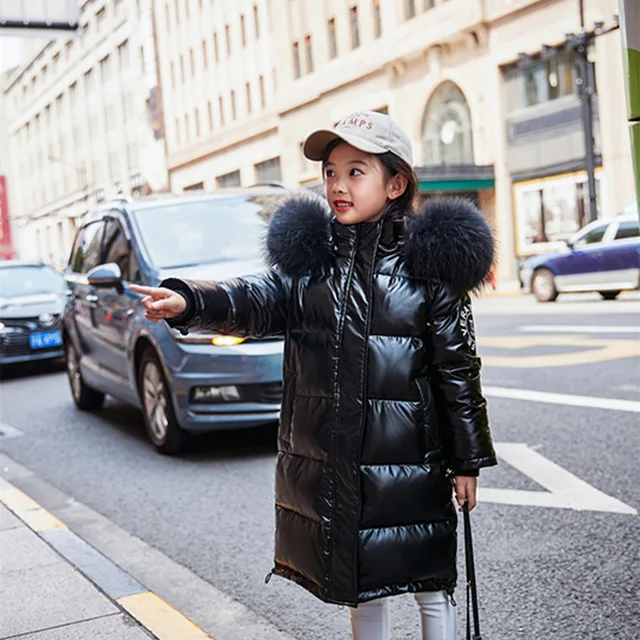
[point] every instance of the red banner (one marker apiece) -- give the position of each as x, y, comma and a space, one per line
6, 248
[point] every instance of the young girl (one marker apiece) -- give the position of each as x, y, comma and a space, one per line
382, 408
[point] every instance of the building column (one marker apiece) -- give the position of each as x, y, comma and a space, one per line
507, 270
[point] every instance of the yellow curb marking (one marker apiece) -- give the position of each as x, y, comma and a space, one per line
29, 511
596, 350
165, 622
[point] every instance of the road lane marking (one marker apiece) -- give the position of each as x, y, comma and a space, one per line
558, 328
566, 399
160, 618
598, 350
564, 490
29, 511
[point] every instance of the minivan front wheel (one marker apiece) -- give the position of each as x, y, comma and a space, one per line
159, 417
85, 397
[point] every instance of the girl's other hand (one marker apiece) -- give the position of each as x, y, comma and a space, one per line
160, 303
466, 488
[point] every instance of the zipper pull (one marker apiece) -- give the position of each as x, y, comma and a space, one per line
268, 577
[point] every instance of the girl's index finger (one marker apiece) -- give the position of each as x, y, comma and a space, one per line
147, 291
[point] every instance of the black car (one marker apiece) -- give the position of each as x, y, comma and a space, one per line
32, 300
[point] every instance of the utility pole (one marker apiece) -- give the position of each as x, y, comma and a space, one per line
585, 90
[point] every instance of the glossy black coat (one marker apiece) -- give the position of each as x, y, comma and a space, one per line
382, 399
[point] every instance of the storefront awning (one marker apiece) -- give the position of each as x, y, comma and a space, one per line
455, 178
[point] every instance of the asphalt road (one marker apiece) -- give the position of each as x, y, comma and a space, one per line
544, 571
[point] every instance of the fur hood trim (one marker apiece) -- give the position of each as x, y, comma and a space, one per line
449, 241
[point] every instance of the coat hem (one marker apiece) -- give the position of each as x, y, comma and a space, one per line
418, 586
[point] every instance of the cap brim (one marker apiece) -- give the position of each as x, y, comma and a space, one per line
315, 146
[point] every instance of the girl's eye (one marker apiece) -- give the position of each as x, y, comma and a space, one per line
329, 173
355, 172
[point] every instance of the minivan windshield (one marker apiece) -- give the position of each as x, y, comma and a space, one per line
29, 280
216, 230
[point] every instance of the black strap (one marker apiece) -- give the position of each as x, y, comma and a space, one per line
472, 592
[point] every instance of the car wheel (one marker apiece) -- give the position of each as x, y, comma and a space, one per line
159, 417
85, 397
610, 295
543, 286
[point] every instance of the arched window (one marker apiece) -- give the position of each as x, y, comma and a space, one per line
447, 137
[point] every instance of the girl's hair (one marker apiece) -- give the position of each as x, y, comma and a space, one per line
392, 166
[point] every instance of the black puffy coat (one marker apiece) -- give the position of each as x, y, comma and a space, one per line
382, 399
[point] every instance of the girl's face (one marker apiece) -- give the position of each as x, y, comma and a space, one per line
356, 185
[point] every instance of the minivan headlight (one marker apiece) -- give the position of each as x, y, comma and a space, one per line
215, 339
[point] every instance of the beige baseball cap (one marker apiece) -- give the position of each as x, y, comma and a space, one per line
368, 131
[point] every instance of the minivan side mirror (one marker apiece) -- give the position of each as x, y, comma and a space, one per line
570, 244
106, 276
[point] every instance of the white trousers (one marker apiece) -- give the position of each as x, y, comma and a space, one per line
370, 621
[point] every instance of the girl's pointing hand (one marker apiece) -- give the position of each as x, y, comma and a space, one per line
160, 303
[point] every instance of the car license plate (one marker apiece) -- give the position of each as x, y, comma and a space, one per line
45, 339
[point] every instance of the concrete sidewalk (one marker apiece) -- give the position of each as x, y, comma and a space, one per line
56, 586
44, 597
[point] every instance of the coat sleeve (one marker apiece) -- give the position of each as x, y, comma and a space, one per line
455, 382
252, 306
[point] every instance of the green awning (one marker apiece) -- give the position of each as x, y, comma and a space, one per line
456, 185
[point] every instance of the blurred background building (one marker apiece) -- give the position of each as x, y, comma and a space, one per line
205, 94
83, 124
487, 89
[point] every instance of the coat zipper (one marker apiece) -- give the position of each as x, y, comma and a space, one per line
364, 391
336, 399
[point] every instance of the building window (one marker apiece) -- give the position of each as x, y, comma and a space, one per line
182, 69
177, 131
176, 11
186, 8
205, 58
429, 4
187, 132
88, 82
377, 19
410, 9
196, 119
539, 83
355, 27
263, 97
167, 16
268, 171
248, 90
227, 38
100, 17
308, 46
192, 63
256, 21
143, 64
210, 114
215, 47
105, 69
234, 113
447, 135
296, 60
221, 107
229, 180
333, 38
198, 186
243, 33
172, 69
123, 55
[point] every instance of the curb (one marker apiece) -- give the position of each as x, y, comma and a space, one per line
154, 614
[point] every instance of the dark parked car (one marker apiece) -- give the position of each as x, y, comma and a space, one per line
604, 256
32, 298
183, 383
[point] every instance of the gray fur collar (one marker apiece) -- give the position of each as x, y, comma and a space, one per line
449, 241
